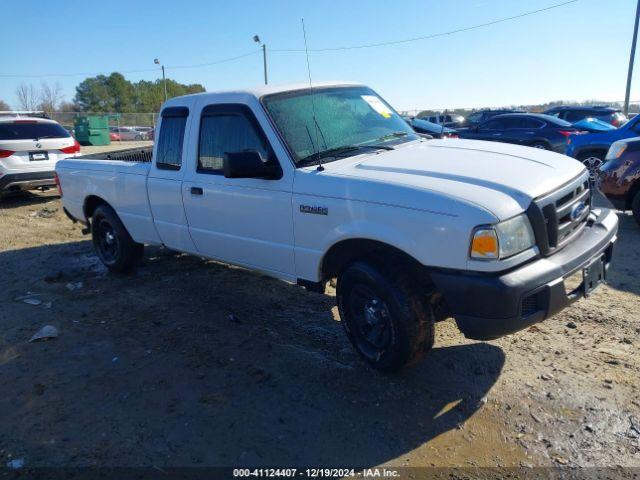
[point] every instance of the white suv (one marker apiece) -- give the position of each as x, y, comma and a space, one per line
29, 150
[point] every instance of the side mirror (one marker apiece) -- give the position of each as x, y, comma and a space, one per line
248, 164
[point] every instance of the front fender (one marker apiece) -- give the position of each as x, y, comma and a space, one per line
433, 239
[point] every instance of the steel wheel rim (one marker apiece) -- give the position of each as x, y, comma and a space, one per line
372, 318
107, 241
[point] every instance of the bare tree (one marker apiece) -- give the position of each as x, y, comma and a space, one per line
27, 96
50, 97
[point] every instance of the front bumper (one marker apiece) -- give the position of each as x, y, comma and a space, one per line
26, 181
488, 306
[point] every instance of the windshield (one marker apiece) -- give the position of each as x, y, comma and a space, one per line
346, 118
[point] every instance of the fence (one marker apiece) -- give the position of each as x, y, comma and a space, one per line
66, 119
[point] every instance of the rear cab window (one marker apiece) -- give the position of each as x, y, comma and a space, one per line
31, 130
171, 138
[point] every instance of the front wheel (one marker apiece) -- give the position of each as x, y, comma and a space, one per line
114, 246
387, 319
593, 162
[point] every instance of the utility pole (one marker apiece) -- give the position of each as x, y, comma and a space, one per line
631, 59
164, 79
256, 39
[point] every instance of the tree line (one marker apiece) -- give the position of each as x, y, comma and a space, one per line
101, 94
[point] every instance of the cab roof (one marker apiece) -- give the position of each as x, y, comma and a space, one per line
262, 90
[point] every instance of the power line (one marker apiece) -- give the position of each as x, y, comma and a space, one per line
428, 37
216, 62
89, 74
329, 49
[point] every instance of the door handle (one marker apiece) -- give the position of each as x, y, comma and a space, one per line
496, 134
196, 191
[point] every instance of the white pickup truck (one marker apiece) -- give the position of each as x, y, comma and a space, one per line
311, 184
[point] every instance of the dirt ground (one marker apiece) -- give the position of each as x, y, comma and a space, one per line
188, 362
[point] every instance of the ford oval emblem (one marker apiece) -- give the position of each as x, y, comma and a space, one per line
38, 145
577, 210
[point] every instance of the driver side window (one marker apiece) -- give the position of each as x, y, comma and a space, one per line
492, 125
226, 132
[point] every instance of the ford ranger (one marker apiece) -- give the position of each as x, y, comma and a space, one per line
310, 184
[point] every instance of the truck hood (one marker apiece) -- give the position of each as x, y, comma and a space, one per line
499, 177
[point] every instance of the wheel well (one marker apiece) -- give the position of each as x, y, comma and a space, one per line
90, 204
590, 151
347, 251
635, 188
541, 140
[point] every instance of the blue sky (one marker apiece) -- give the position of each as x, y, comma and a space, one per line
575, 52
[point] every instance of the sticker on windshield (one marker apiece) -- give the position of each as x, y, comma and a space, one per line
375, 103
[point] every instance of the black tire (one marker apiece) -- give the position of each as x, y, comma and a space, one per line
540, 145
635, 207
114, 246
138, 137
593, 161
387, 318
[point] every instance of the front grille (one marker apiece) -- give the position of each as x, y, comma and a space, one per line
556, 217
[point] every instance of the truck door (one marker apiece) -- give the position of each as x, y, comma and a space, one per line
164, 183
245, 221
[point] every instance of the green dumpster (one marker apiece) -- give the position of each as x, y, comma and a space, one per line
92, 130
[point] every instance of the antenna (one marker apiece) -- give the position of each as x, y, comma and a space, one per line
313, 99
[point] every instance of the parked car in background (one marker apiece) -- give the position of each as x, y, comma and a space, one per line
447, 120
573, 114
591, 148
114, 137
144, 130
481, 116
128, 133
30, 147
420, 125
530, 129
593, 125
620, 175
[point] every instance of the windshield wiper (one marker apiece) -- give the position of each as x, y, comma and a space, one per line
339, 152
47, 136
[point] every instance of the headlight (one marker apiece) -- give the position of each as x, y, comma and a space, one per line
616, 149
503, 239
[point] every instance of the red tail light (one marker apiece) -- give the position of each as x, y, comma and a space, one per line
566, 133
6, 153
75, 148
57, 180
452, 135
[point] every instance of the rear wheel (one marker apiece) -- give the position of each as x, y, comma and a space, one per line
387, 319
635, 206
540, 145
113, 244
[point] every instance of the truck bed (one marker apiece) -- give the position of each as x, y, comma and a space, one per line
141, 154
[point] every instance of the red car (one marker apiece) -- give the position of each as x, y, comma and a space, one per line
114, 137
